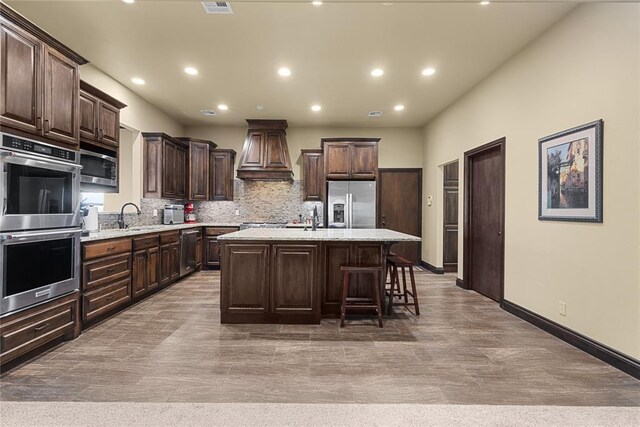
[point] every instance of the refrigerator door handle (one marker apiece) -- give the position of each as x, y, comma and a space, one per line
350, 198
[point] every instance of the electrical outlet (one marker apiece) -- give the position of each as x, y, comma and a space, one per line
563, 308
237, 212
155, 212
429, 200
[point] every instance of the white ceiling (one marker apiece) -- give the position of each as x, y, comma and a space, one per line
330, 49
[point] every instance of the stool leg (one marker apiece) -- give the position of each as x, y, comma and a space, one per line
345, 291
404, 286
415, 293
395, 282
376, 285
397, 278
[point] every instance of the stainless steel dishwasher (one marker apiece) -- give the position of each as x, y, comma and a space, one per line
188, 242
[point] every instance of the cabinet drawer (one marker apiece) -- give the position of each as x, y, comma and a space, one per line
106, 299
110, 247
146, 242
105, 271
218, 231
170, 237
25, 331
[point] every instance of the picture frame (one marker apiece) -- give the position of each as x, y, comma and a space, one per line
570, 174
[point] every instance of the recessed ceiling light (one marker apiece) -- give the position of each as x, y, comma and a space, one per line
485, 3
377, 72
223, 107
316, 3
284, 72
399, 107
129, 1
191, 71
316, 107
430, 71
137, 80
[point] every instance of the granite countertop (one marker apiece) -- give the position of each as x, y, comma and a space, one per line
300, 225
331, 234
136, 231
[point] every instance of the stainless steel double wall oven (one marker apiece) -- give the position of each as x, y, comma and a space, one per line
39, 222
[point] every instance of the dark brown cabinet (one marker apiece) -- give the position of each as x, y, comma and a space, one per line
265, 154
99, 117
39, 82
245, 280
165, 167
169, 257
221, 164
199, 252
313, 175
350, 158
294, 280
199, 167
212, 245
146, 265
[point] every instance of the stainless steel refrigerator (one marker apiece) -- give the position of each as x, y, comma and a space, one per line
351, 204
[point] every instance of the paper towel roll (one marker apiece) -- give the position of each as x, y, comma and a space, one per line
91, 220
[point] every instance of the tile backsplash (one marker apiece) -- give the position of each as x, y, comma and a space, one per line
255, 201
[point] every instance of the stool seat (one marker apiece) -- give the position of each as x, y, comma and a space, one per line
359, 303
399, 261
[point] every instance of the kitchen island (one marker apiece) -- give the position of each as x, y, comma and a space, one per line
292, 275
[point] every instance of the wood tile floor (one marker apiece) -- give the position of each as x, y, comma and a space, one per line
463, 349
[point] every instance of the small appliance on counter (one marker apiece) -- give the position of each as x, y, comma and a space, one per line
189, 213
89, 219
173, 214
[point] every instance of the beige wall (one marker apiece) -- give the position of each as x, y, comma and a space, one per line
584, 68
138, 116
399, 147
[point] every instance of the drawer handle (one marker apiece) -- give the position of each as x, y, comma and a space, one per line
109, 298
111, 248
111, 269
41, 327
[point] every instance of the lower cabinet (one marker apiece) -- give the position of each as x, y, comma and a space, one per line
145, 271
169, 257
199, 252
29, 329
270, 283
212, 245
105, 299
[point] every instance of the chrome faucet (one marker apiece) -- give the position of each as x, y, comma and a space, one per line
121, 223
315, 221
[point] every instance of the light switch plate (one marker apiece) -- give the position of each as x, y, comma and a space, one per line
563, 308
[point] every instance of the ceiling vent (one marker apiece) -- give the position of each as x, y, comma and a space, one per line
208, 112
217, 7
375, 113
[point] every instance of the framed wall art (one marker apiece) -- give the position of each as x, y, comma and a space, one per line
570, 174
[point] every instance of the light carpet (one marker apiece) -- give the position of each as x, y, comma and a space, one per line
275, 414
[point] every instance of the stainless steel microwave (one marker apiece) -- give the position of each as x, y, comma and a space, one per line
99, 172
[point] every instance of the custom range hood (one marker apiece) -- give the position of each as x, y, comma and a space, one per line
265, 155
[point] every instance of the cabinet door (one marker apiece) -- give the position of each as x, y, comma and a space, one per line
108, 124
180, 172
198, 253
335, 255
313, 176
365, 254
88, 120
294, 279
20, 75
245, 278
198, 171
61, 97
337, 161
221, 174
253, 151
364, 160
169, 172
212, 252
139, 278
175, 260
166, 266
153, 268
276, 154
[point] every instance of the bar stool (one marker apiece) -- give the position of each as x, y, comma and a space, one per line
393, 263
347, 302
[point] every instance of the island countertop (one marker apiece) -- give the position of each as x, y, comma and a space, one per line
327, 235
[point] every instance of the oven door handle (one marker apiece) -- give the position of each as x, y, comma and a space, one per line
9, 238
29, 160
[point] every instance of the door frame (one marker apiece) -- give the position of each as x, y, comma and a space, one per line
467, 234
379, 199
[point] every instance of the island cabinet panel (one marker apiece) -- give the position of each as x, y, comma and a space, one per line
245, 281
294, 277
361, 285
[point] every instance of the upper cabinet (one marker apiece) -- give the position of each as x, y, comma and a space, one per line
221, 174
312, 175
40, 82
198, 173
165, 167
350, 158
99, 117
265, 155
